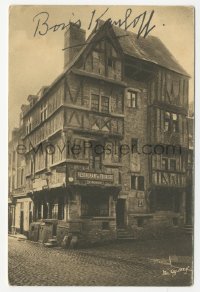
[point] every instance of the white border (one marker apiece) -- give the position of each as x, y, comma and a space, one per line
4, 5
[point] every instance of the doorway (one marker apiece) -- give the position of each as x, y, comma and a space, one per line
120, 212
21, 222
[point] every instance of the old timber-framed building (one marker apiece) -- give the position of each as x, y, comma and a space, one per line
122, 93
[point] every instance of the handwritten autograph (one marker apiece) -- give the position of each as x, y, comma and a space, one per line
142, 21
173, 272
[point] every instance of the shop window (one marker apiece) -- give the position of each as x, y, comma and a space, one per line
45, 210
54, 211
132, 99
141, 183
105, 104
95, 102
164, 202
95, 205
61, 210
39, 211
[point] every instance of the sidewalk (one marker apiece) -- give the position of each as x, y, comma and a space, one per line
18, 236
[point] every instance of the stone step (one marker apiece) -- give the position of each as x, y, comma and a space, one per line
49, 244
52, 240
123, 234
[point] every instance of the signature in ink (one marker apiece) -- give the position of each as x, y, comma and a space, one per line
142, 21
174, 271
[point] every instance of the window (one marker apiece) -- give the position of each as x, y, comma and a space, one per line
137, 183
95, 102
133, 182
172, 164
43, 111
105, 104
171, 122
167, 121
39, 211
95, 205
174, 123
95, 159
22, 177
100, 103
132, 99
134, 145
29, 125
61, 209
54, 211
164, 163
111, 63
140, 183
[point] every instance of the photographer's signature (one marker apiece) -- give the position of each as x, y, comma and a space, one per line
174, 271
141, 22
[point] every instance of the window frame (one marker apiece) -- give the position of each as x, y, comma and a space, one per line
99, 108
132, 102
108, 104
43, 111
96, 109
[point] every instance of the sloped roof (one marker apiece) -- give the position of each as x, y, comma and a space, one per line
150, 49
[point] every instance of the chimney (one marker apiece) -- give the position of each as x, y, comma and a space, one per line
73, 37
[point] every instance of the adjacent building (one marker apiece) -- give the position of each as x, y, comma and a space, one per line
102, 152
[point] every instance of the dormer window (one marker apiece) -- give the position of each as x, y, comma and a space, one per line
43, 111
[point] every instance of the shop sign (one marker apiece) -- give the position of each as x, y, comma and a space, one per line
92, 176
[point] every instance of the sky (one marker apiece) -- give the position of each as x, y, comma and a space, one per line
35, 61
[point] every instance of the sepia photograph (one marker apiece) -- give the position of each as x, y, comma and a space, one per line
101, 145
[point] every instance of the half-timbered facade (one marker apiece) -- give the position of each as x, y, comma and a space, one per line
105, 145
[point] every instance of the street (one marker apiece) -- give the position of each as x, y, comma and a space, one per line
118, 264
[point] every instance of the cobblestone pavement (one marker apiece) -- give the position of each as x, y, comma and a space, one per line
32, 264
